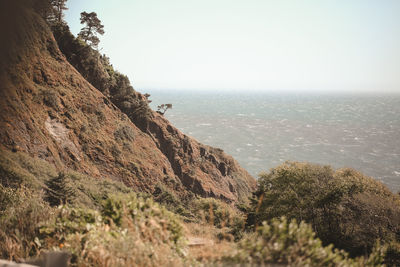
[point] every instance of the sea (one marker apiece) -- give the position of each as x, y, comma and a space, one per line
262, 130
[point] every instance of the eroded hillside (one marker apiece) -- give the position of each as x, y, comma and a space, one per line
49, 110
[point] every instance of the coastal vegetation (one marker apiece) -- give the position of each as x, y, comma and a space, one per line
93, 27
299, 214
344, 207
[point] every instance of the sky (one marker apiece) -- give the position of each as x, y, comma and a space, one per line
289, 45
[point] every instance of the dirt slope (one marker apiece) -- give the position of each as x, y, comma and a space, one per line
50, 111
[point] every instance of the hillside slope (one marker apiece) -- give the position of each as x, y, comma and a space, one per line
49, 110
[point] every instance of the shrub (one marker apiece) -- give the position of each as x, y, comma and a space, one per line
292, 244
59, 190
50, 98
124, 133
21, 211
9, 178
344, 207
221, 215
166, 197
19, 169
392, 254
216, 212
128, 231
105, 245
140, 210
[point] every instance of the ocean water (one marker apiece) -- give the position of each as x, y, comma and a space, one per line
262, 130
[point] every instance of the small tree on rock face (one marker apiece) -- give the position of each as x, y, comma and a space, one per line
163, 108
92, 28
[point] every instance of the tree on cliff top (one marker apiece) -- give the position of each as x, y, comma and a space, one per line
51, 10
58, 9
92, 28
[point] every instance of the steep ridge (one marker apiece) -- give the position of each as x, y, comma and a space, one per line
49, 110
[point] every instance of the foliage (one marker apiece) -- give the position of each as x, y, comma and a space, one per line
21, 210
217, 212
92, 28
9, 178
293, 244
98, 70
20, 170
163, 108
139, 209
50, 98
59, 190
52, 11
84, 58
99, 229
392, 254
221, 215
127, 230
57, 14
344, 207
124, 133
163, 195
130, 230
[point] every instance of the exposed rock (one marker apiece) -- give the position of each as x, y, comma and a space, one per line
204, 170
60, 134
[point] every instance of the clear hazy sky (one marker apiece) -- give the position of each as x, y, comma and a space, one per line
324, 45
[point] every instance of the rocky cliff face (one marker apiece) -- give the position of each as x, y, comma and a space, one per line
49, 110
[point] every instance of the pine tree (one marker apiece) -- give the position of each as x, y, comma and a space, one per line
58, 9
92, 28
51, 10
59, 190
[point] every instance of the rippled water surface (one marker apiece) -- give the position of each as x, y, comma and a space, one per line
262, 130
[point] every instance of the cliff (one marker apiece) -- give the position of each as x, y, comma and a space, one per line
50, 110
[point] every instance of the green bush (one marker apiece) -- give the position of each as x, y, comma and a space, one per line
143, 211
344, 207
128, 231
291, 244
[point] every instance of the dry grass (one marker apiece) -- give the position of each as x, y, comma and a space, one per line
205, 245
